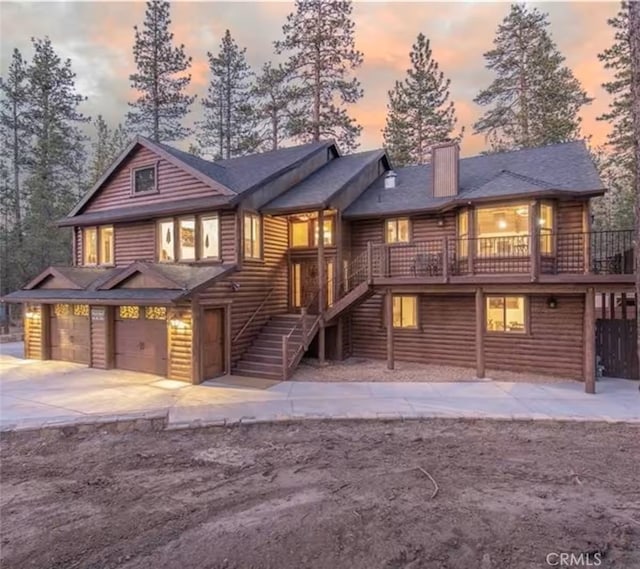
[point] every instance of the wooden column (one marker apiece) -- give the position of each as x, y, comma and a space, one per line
480, 308
612, 306
534, 240
337, 270
589, 341
322, 288
445, 259
388, 314
196, 341
45, 331
586, 228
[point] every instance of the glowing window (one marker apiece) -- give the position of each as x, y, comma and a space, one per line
166, 244
503, 231
81, 310
405, 312
397, 230
545, 224
129, 312
252, 245
463, 234
90, 246
155, 312
210, 237
106, 244
506, 314
187, 243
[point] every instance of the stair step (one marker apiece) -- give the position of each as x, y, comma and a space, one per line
245, 365
252, 373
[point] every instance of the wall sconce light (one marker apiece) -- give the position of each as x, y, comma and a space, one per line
178, 324
32, 315
441, 222
552, 302
235, 287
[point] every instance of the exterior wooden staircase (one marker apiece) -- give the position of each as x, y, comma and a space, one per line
353, 298
284, 334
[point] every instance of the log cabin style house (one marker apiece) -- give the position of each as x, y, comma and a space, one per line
192, 269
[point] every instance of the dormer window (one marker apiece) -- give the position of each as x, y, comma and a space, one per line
144, 180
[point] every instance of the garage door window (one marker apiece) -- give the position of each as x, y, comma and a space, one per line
62, 310
155, 313
129, 312
81, 310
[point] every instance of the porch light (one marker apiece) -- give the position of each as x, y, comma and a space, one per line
552, 302
178, 324
32, 315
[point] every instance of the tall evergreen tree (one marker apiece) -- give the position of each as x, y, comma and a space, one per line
15, 138
108, 143
319, 37
535, 99
228, 126
420, 113
57, 158
273, 95
617, 166
161, 79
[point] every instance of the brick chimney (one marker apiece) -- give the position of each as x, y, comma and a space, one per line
445, 159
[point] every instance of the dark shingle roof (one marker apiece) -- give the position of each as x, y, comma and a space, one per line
318, 189
563, 167
245, 172
146, 295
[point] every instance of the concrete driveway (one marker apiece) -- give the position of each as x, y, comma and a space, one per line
35, 394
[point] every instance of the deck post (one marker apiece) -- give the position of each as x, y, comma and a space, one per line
369, 262
589, 341
388, 312
285, 357
472, 241
321, 343
586, 232
445, 259
479, 333
322, 284
303, 314
534, 238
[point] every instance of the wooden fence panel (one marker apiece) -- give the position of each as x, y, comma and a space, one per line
616, 345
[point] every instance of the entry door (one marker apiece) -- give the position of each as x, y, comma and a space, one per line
213, 343
304, 284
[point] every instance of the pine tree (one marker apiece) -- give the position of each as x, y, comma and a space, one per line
57, 158
161, 79
320, 40
107, 145
228, 128
617, 167
15, 138
273, 95
420, 113
535, 99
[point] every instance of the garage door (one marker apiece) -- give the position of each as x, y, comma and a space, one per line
70, 333
141, 339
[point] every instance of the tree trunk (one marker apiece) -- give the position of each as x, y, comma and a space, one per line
634, 40
16, 174
316, 86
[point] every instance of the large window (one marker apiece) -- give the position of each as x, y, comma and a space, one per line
545, 224
462, 244
305, 231
252, 236
97, 245
144, 180
210, 237
166, 243
503, 231
187, 236
396, 230
506, 314
405, 312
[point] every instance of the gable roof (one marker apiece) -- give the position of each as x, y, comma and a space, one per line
556, 170
317, 190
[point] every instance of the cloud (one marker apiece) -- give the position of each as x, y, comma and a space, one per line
98, 38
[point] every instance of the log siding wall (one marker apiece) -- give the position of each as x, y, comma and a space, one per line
446, 335
179, 344
34, 332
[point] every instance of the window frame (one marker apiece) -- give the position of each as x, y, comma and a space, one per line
85, 230
312, 231
396, 220
416, 311
513, 236
178, 238
550, 232
200, 219
159, 237
154, 190
525, 312
256, 240
112, 251
462, 239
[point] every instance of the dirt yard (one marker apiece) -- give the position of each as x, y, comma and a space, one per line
362, 369
324, 495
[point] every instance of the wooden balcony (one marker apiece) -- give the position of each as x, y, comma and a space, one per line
605, 256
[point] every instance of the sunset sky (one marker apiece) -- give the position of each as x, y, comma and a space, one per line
98, 37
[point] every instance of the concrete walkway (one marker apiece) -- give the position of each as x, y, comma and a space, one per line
35, 394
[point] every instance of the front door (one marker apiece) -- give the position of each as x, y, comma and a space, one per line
304, 284
212, 343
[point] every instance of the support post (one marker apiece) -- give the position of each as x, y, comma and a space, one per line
586, 229
303, 314
623, 302
480, 319
321, 343
322, 278
534, 241
388, 308
45, 331
369, 262
445, 259
285, 358
589, 341
612, 306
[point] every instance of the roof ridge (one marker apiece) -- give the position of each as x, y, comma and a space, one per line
535, 181
528, 148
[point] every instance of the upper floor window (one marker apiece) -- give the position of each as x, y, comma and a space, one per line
505, 314
166, 242
397, 230
462, 243
305, 231
545, 225
97, 245
405, 311
189, 238
209, 237
187, 242
503, 231
252, 236
144, 180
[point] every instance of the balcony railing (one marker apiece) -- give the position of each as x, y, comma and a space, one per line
602, 253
